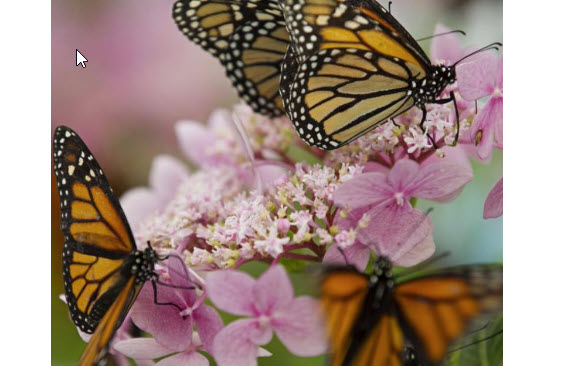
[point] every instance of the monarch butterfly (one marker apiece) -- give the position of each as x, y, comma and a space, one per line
102, 269
248, 37
351, 66
380, 319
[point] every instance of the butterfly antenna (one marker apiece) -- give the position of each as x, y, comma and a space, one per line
248, 149
477, 341
390, 4
492, 46
442, 34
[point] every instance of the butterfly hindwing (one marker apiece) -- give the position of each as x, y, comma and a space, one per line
97, 236
97, 347
440, 307
338, 95
249, 39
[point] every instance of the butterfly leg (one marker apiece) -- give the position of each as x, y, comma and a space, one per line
424, 113
452, 98
162, 303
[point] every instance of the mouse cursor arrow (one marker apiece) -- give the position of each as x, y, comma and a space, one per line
80, 59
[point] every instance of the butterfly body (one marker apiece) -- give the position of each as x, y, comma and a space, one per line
380, 319
102, 269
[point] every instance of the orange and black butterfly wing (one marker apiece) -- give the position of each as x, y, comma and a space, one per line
343, 291
434, 310
249, 38
97, 347
97, 236
374, 10
352, 71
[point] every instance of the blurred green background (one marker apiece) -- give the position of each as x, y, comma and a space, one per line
143, 76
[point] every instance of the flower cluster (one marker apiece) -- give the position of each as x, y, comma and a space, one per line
260, 194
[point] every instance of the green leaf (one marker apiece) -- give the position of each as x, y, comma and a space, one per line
299, 155
483, 348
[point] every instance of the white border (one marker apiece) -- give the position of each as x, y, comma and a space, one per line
25, 66
536, 183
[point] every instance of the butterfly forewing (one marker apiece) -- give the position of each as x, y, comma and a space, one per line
342, 293
97, 236
248, 37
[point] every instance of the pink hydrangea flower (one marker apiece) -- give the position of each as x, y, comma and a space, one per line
493, 207
270, 307
173, 327
479, 78
396, 229
166, 175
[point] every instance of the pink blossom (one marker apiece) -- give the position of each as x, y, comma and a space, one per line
396, 229
212, 144
479, 78
445, 49
166, 175
270, 306
172, 326
493, 207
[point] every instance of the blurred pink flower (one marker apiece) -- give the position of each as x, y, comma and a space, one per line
141, 75
219, 144
166, 175
446, 49
172, 326
395, 228
479, 78
213, 144
493, 207
271, 307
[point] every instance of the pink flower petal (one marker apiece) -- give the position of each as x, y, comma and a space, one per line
395, 231
208, 323
139, 203
220, 120
194, 140
231, 291
363, 190
494, 203
142, 348
232, 346
273, 289
435, 181
166, 175
190, 358
271, 173
446, 49
491, 114
164, 322
403, 173
417, 252
499, 73
357, 255
477, 77
300, 328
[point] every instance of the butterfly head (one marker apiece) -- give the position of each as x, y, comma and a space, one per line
382, 267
